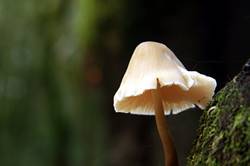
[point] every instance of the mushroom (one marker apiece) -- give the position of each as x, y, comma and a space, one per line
157, 83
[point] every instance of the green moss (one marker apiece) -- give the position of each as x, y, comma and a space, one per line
224, 133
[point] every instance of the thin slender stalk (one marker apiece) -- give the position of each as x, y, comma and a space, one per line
163, 130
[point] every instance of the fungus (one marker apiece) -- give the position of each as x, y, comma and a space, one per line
157, 83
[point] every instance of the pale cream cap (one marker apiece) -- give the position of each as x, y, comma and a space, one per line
180, 89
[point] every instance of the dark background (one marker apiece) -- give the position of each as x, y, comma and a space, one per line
62, 61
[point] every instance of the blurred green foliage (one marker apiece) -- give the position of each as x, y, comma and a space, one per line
48, 116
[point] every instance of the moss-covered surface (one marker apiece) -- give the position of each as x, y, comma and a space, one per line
224, 133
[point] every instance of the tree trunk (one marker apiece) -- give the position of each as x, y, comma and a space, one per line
224, 132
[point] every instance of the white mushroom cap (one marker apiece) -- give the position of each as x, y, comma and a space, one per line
180, 89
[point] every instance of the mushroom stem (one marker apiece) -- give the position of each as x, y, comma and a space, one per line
162, 127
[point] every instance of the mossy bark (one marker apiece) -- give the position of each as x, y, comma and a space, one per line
224, 132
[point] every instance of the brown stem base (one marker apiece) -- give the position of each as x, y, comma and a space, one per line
162, 127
